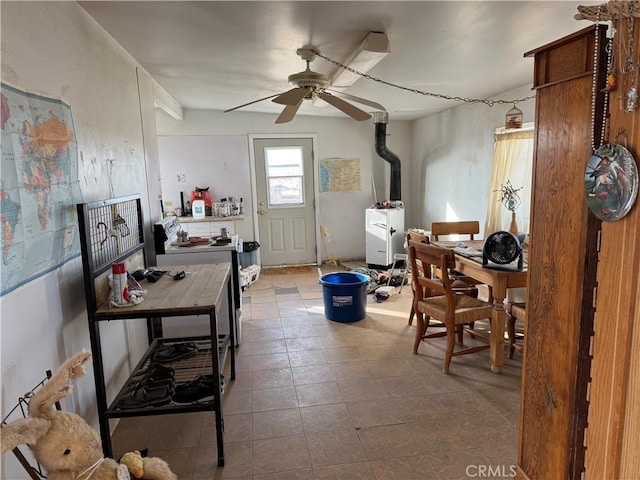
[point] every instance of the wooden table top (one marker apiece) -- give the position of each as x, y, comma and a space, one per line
200, 292
477, 245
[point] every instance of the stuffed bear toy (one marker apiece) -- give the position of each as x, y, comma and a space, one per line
62, 442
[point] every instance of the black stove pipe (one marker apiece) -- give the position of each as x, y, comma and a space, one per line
380, 120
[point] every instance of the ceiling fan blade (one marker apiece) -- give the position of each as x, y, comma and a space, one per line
288, 113
351, 110
251, 103
353, 98
293, 96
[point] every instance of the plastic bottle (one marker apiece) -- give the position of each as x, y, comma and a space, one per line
235, 206
224, 207
120, 283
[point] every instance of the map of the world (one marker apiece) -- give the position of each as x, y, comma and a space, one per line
39, 187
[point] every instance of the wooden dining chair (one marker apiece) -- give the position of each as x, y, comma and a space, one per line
415, 236
435, 298
515, 312
470, 228
462, 283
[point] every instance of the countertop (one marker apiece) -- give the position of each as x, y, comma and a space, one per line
190, 219
199, 292
210, 246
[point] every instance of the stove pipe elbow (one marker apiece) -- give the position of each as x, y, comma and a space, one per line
380, 120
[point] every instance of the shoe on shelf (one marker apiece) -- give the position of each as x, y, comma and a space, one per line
199, 390
208, 379
153, 379
156, 371
151, 384
176, 351
145, 397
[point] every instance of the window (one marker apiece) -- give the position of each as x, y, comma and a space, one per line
512, 160
285, 175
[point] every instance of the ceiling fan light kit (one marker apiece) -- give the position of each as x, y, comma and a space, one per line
308, 78
373, 48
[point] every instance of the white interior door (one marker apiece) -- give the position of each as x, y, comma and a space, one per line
285, 201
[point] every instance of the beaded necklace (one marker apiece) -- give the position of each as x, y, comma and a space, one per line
594, 84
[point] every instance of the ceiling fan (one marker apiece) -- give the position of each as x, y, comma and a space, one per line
310, 85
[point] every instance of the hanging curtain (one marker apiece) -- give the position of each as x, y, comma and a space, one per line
512, 160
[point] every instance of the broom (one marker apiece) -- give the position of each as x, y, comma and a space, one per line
326, 239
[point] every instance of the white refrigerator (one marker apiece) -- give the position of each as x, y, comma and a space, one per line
385, 235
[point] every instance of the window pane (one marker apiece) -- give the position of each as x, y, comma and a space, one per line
284, 161
285, 175
285, 191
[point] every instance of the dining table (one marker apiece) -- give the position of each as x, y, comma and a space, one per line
469, 262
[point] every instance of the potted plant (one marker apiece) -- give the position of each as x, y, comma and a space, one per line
511, 200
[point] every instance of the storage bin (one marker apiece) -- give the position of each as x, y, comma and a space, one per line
249, 254
249, 275
345, 296
248, 258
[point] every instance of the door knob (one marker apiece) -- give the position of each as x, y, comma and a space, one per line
262, 212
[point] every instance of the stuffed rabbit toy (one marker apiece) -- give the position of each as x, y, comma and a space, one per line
62, 442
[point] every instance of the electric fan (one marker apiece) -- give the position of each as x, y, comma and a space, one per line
501, 250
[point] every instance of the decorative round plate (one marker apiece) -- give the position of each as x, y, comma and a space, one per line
611, 182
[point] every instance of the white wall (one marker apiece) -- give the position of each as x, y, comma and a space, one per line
446, 161
342, 213
55, 48
219, 162
452, 159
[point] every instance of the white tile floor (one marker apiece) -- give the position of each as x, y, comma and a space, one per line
316, 399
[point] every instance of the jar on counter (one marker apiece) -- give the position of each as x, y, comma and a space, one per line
235, 206
224, 208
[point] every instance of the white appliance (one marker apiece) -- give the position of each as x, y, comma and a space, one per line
170, 252
384, 235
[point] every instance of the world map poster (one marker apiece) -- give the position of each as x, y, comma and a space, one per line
39, 187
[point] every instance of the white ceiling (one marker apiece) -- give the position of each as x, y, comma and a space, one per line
216, 55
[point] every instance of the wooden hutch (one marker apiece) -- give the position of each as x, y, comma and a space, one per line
580, 407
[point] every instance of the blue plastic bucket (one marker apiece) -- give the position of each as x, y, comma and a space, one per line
345, 296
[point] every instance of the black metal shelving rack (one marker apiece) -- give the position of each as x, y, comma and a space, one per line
112, 231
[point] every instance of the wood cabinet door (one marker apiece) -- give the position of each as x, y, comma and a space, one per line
562, 263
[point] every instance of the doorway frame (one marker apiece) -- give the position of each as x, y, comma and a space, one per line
316, 184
